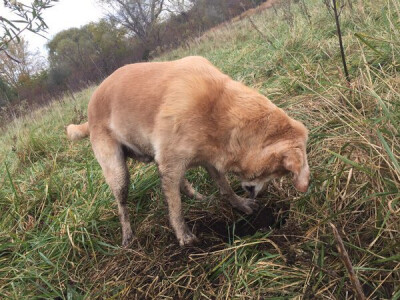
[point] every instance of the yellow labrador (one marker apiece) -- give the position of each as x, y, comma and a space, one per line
187, 113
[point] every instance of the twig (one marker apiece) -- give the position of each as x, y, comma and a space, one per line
346, 261
12, 57
339, 32
71, 93
273, 6
260, 32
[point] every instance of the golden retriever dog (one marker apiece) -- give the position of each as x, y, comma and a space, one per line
186, 113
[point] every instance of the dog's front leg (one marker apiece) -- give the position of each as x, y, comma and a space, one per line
248, 206
188, 190
171, 176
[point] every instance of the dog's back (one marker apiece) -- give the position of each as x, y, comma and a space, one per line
128, 102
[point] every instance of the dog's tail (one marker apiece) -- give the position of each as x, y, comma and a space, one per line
77, 132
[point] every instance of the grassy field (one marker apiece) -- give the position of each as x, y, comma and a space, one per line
59, 230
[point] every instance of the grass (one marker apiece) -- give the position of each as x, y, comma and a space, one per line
59, 230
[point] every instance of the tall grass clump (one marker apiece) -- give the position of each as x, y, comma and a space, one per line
59, 229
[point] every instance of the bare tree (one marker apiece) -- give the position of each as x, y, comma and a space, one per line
179, 6
138, 16
28, 63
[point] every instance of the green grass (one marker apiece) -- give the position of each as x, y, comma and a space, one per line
59, 229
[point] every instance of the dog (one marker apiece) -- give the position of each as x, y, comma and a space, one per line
183, 114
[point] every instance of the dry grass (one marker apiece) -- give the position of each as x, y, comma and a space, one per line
59, 228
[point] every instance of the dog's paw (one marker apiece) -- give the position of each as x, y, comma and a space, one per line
127, 239
199, 196
246, 205
187, 239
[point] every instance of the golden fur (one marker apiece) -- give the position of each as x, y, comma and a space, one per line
187, 113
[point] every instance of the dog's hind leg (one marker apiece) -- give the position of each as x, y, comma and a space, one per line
188, 190
111, 158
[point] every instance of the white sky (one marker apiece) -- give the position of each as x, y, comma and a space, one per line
63, 15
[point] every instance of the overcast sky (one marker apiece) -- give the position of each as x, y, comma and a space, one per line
63, 15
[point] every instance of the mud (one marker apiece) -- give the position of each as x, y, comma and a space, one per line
226, 230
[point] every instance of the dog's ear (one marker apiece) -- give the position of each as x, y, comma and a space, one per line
295, 161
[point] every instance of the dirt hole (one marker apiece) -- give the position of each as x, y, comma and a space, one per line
225, 230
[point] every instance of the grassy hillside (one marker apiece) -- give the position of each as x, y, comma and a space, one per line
59, 229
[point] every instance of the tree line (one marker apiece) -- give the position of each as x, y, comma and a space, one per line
132, 31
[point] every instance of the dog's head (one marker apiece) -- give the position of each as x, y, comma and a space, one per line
287, 155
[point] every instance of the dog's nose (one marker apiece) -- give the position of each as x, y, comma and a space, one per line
252, 190
302, 187
302, 181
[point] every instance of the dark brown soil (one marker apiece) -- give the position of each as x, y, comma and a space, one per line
211, 228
